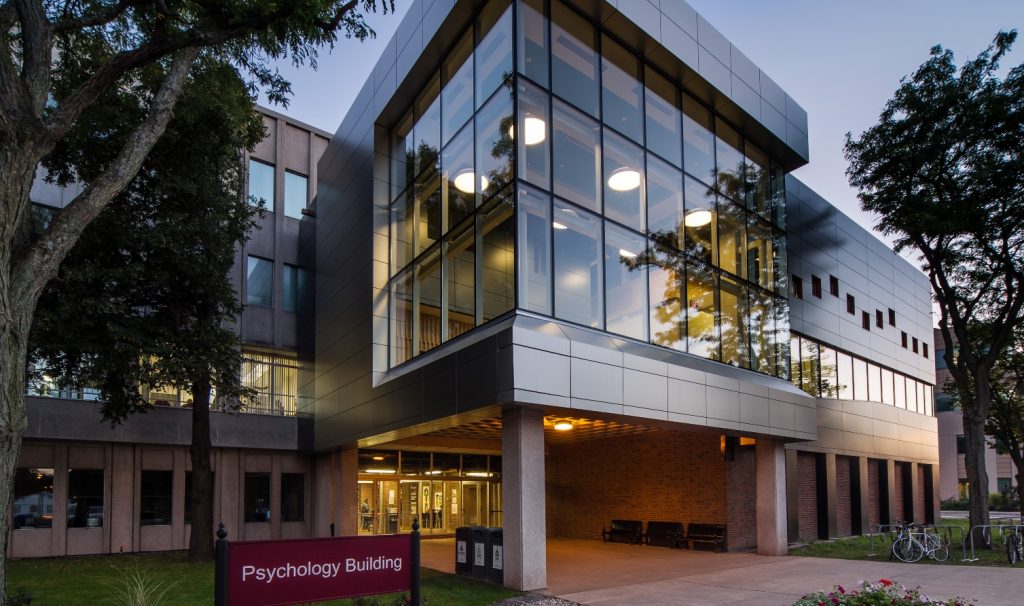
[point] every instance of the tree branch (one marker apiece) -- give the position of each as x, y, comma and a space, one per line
95, 19
36, 265
36, 44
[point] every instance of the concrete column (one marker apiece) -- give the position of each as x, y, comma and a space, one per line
347, 524
915, 495
830, 496
792, 496
522, 469
936, 499
771, 498
865, 495
890, 491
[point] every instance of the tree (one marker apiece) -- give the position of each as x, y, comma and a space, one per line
57, 60
1005, 423
943, 168
144, 298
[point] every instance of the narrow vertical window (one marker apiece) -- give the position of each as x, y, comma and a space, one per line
865, 320
892, 317
879, 319
296, 194
155, 491
535, 227
851, 306
261, 184
574, 62
924, 350
85, 498
903, 339
257, 497
798, 287
914, 343
293, 497
259, 282
833, 286
816, 286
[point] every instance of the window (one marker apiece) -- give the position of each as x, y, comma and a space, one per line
865, 320
961, 444
851, 307
575, 150
259, 282
85, 498
274, 381
879, 319
261, 184
914, 344
833, 285
798, 287
621, 91
663, 118
625, 283
494, 149
533, 41
903, 339
578, 266
293, 497
496, 226
535, 262
535, 146
574, 62
294, 286
702, 308
32, 505
155, 497
924, 349
257, 497
1004, 484
296, 194
816, 286
664, 202
493, 49
457, 94
668, 308
698, 141
845, 367
892, 317
623, 181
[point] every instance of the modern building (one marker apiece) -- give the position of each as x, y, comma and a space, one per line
84, 488
953, 480
557, 242
562, 275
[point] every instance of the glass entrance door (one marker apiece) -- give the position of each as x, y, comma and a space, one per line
474, 508
388, 522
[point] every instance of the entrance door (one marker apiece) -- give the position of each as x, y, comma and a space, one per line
410, 504
367, 497
474, 508
388, 522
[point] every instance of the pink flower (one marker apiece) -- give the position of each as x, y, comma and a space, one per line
841, 590
885, 582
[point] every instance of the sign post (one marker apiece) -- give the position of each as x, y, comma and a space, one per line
277, 573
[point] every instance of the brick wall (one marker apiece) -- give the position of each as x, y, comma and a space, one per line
874, 494
844, 510
741, 495
897, 512
807, 496
664, 475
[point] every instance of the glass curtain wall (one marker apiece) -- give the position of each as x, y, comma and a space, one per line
824, 372
545, 166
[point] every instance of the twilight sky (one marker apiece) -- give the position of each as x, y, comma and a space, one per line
840, 60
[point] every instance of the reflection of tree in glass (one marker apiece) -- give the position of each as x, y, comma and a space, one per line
504, 148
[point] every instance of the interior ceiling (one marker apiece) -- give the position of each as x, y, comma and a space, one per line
583, 429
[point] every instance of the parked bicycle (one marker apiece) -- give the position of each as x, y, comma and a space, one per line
1015, 546
914, 542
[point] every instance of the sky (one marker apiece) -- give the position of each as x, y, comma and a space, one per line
840, 60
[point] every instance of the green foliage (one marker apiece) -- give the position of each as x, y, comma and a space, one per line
144, 297
883, 593
954, 504
137, 588
995, 500
20, 597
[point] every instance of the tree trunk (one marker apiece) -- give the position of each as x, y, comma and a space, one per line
1019, 464
200, 548
12, 424
974, 459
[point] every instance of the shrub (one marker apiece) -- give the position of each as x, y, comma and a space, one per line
869, 594
995, 500
955, 504
20, 597
136, 589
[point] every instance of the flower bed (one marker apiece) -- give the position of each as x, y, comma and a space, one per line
884, 592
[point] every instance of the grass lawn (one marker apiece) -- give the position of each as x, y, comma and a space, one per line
859, 548
91, 580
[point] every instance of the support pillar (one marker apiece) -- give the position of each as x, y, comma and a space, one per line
915, 495
831, 506
792, 496
890, 492
771, 498
347, 522
522, 474
864, 495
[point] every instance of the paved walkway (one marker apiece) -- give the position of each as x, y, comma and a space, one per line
599, 574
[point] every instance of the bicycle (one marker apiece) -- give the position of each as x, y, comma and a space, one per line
1015, 547
910, 546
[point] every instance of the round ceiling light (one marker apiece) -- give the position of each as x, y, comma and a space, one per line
697, 218
558, 225
624, 179
464, 181
563, 425
535, 128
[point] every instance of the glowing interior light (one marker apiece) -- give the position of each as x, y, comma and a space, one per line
378, 458
479, 474
624, 179
558, 225
697, 218
625, 253
464, 181
535, 128
380, 471
563, 425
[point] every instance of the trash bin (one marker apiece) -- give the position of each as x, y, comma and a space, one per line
481, 553
463, 551
497, 559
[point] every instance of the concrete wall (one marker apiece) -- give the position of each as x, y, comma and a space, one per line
123, 464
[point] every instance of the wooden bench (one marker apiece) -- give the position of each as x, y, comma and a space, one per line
624, 531
666, 534
706, 534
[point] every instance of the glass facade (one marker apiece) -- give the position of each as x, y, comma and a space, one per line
824, 372
272, 381
563, 176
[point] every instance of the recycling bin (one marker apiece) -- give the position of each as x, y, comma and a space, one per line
464, 551
481, 552
496, 571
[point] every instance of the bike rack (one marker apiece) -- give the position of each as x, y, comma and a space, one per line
986, 530
889, 528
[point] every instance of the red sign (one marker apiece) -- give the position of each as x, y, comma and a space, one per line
274, 573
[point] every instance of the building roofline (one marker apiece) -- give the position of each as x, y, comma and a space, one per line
290, 120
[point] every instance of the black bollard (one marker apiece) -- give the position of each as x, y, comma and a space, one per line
220, 571
414, 593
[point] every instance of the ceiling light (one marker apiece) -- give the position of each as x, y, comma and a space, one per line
558, 225
563, 425
479, 474
697, 218
464, 181
378, 458
625, 253
535, 129
624, 179
380, 471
